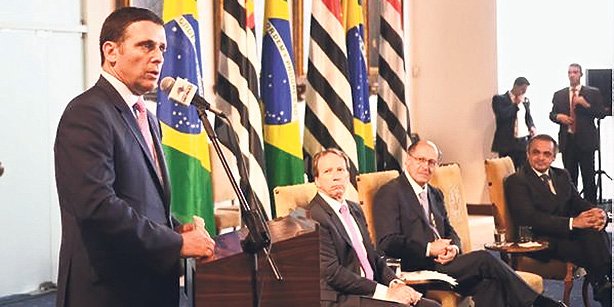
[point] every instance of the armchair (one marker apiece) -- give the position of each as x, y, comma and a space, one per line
496, 171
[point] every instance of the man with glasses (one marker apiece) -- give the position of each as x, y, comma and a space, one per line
352, 273
411, 223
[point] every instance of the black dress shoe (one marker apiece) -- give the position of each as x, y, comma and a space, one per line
544, 301
602, 291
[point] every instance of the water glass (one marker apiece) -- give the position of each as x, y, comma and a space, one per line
525, 234
395, 265
499, 237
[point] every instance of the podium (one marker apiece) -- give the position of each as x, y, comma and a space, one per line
229, 278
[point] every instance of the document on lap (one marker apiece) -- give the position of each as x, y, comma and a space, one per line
428, 275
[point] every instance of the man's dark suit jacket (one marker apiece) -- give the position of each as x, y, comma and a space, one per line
401, 227
339, 265
505, 116
118, 244
531, 203
586, 133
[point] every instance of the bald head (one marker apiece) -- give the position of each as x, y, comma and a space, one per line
423, 158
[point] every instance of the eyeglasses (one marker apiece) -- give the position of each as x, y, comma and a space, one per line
432, 163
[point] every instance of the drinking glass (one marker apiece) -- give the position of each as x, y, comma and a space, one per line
395, 265
499, 237
525, 234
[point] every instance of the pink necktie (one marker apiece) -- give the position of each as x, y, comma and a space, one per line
359, 248
144, 127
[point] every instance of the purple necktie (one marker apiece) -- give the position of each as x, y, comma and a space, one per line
359, 248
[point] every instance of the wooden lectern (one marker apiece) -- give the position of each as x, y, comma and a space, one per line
229, 279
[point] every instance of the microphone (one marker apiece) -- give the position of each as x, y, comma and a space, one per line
184, 92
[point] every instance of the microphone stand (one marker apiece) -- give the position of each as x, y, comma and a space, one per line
599, 171
258, 237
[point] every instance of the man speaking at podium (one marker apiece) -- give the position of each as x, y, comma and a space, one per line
351, 273
120, 246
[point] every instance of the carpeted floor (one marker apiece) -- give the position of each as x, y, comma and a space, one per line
553, 288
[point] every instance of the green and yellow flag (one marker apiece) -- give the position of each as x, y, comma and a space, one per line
282, 147
183, 137
358, 77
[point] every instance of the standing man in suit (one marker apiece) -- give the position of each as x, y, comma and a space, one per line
514, 122
351, 272
543, 197
412, 224
575, 108
120, 245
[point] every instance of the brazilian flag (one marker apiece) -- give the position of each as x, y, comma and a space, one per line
183, 137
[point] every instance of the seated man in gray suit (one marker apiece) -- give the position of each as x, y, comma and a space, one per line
351, 273
412, 224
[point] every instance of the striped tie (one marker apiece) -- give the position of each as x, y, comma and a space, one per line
546, 179
424, 201
357, 244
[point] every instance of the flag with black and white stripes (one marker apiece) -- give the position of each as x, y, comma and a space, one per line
328, 113
237, 96
393, 127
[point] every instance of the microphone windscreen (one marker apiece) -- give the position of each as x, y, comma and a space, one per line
167, 84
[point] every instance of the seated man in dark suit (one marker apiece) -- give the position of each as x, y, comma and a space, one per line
412, 224
544, 197
351, 273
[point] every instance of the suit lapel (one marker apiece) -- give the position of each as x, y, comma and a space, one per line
161, 161
334, 219
364, 232
436, 211
130, 121
413, 204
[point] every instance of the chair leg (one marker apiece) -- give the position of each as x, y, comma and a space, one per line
585, 299
568, 282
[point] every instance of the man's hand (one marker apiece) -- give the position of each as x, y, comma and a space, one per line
602, 218
197, 243
196, 240
449, 255
579, 100
593, 218
399, 292
438, 247
532, 131
564, 119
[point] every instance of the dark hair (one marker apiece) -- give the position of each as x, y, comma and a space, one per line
520, 81
577, 66
543, 137
114, 27
319, 155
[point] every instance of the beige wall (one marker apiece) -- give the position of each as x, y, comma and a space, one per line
454, 67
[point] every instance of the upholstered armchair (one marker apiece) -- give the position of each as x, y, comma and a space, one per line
288, 198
